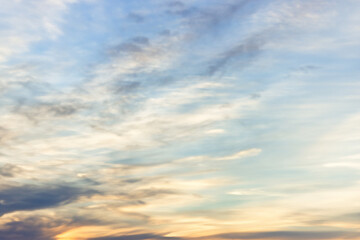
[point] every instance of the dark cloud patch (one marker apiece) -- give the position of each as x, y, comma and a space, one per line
134, 45
184, 12
137, 18
244, 52
133, 180
215, 18
135, 86
289, 235
9, 170
203, 19
137, 237
308, 68
126, 47
39, 227
82, 220
348, 218
23, 231
62, 110
125, 86
178, 8
32, 197
140, 40
152, 192
38, 111
35, 228
176, 4
255, 96
165, 32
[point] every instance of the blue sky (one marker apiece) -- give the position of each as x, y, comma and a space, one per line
179, 120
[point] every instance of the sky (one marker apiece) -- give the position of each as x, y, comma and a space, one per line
179, 120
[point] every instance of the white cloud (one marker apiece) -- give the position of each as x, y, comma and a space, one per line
352, 165
242, 154
28, 22
215, 131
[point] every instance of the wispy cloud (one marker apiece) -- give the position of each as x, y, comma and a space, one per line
179, 120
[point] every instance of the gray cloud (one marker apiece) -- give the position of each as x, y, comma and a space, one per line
153, 192
36, 228
201, 19
32, 197
279, 235
309, 68
343, 218
351, 217
289, 235
127, 47
176, 4
124, 86
137, 18
40, 227
137, 237
211, 20
244, 52
37, 111
9, 170
133, 45
140, 40
64, 110
23, 231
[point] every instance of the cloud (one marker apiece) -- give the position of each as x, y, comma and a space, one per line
351, 165
350, 219
353, 217
24, 230
245, 51
137, 237
242, 154
247, 192
289, 235
137, 18
205, 19
155, 98
9, 170
236, 156
215, 131
34, 227
32, 197
44, 226
125, 87
29, 22
272, 23
43, 110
